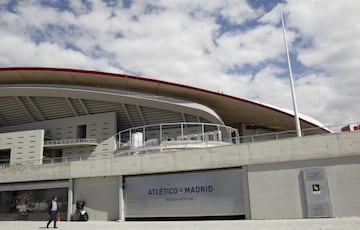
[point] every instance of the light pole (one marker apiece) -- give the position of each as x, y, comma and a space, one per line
297, 120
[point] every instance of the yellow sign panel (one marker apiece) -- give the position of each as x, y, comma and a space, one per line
316, 189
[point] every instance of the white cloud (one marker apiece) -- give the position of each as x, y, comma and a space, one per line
330, 35
182, 41
250, 47
272, 17
239, 11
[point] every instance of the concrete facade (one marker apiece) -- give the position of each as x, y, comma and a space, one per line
29, 145
276, 191
24, 146
273, 174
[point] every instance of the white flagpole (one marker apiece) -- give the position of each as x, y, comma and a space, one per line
297, 120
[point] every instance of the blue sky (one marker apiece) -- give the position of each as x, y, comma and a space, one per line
230, 46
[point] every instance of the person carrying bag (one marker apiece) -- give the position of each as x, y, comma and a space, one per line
53, 211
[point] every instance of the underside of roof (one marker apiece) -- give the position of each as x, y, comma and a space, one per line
29, 103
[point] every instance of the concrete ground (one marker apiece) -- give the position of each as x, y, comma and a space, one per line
352, 223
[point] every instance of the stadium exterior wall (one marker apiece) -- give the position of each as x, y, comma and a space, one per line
100, 127
272, 168
18, 144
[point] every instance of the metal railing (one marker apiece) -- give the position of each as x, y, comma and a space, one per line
167, 136
76, 141
80, 157
269, 136
4, 165
288, 134
65, 159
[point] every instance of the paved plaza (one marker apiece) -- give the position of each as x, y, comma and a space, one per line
352, 223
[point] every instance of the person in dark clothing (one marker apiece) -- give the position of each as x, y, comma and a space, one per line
53, 211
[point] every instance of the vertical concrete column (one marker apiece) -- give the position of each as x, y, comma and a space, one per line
246, 192
121, 199
70, 199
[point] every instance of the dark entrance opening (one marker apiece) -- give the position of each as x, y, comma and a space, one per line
4, 157
81, 131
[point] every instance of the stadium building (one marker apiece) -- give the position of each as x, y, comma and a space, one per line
137, 149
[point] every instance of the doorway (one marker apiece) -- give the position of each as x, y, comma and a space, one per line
81, 131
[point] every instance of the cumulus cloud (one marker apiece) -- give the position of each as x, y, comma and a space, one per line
329, 35
230, 46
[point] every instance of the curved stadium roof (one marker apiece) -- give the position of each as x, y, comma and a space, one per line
70, 89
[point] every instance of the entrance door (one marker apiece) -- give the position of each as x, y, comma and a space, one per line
81, 131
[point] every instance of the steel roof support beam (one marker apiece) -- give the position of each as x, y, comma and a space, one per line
36, 108
141, 114
183, 117
71, 107
24, 108
127, 114
83, 106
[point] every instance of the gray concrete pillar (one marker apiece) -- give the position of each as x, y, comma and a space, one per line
245, 180
121, 199
70, 199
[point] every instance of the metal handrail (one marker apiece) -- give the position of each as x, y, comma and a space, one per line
71, 141
180, 131
282, 134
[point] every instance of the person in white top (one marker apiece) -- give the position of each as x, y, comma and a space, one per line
53, 211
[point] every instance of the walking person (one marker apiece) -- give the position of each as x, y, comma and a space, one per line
53, 211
